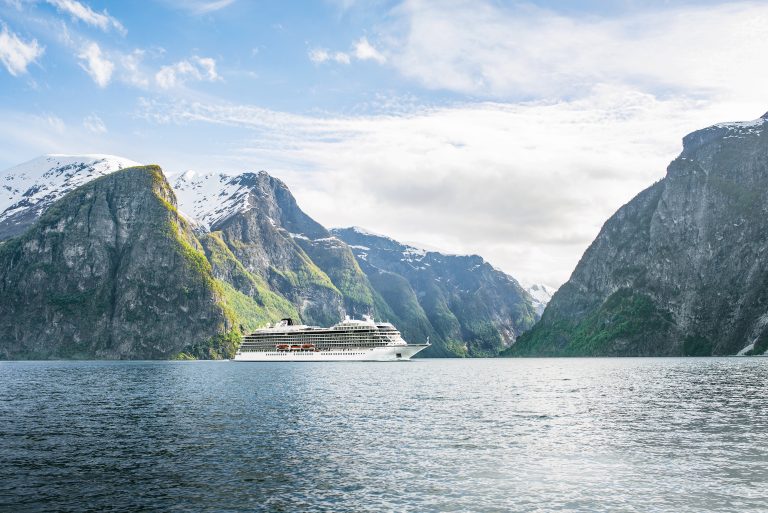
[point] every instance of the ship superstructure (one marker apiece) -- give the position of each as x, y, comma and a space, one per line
351, 339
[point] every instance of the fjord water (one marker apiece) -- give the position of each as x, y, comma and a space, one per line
428, 435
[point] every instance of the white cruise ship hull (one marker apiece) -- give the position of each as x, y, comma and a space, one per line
363, 354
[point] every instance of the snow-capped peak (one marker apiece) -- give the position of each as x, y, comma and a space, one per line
541, 295
364, 231
210, 197
29, 188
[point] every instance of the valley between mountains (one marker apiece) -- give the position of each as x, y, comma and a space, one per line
104, 258
101, 257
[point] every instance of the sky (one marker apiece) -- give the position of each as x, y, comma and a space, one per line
508, 129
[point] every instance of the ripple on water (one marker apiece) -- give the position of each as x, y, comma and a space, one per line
681, 435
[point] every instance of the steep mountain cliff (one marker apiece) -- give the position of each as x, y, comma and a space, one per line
682, 269
462, 303
110, 271
27, 190
257, 219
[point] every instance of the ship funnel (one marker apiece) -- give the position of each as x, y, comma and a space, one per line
288, 321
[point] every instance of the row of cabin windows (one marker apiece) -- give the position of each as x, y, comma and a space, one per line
323, 354
271, 345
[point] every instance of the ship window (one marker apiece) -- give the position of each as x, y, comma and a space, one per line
399, 355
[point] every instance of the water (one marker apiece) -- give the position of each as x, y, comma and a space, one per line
672, 435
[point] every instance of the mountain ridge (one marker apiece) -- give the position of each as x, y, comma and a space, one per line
460, 301
267, 259
681, 268
91, 278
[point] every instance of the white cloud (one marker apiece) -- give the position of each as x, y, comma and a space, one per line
321, 55
205, 7
24, 136
79, 11
53, 122
516, 50
200, 6
527, 186
208, 67
364, 51
196, 68
132, 72
96, 64
94, 124
16, 54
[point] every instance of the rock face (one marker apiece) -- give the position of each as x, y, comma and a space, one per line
260, 223
99, 262
682, 269
109, 271
462, 303
27, 190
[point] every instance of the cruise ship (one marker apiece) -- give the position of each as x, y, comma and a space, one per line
349, 340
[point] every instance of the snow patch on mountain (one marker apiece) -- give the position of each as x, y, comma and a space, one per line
541, 294
28, 189
364, 231
207, 198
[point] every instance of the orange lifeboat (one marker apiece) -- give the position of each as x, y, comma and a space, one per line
282, 347
308, 347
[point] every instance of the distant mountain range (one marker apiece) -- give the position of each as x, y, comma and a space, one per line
682, 269
103, 258
462, 303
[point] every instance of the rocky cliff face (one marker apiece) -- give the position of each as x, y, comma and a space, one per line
113, 269
682, 269
27, 190
261, 224
109, 271
462, 303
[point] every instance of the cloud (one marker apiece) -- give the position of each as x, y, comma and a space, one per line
98, 67
520, 51
132, 72
24, 136
79, 11
362, 50
205, 7
16, 54
526, 185
200, 6
196, 68
321, 55
94, 124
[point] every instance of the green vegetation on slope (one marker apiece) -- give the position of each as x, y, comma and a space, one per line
341, 267
625, 319
272, 306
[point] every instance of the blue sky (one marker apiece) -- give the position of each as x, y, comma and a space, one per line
508, 129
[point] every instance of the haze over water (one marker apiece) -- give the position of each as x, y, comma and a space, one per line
430, 435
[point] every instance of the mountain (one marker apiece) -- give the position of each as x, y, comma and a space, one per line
682, 269
110, 270
100, 261
256, 219
27, 190
465, 305
540, 296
